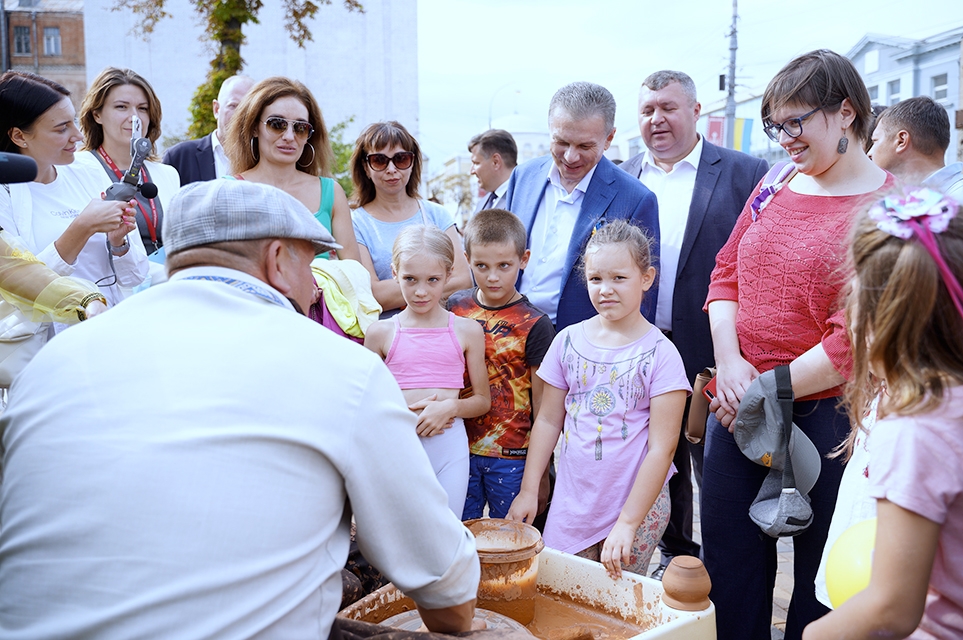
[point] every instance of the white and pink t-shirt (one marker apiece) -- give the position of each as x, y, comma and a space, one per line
606, 432
916, 464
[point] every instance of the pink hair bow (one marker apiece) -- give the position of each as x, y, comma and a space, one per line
921, 212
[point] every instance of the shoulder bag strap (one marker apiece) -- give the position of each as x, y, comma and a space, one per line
784, 393
773, 181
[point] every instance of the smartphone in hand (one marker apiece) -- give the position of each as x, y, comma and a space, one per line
709, 391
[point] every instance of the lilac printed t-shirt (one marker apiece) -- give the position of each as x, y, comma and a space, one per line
915, 464
606, 432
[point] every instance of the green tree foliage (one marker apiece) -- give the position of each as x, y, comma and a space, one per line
224, 22
342, 155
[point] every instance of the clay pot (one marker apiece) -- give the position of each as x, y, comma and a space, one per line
508, 554
686, 583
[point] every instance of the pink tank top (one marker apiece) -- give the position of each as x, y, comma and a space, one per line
427, 358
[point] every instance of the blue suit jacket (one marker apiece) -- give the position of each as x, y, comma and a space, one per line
193, 159
612, 194
724, 181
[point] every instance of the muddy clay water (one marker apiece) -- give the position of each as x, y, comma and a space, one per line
559, 618
555, 617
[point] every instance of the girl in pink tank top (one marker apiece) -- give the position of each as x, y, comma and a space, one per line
429, 350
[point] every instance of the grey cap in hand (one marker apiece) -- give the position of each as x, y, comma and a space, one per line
759, 433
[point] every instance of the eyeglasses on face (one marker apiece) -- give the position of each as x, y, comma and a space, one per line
792, 127
302, 129
379, 161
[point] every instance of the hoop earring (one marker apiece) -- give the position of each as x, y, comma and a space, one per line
842, 145
255, 150
308, 164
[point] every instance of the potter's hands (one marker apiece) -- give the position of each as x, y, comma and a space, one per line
733, 378
477, 624
617, 548
524, 507
435, 415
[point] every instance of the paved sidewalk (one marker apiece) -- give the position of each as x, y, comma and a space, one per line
783, 573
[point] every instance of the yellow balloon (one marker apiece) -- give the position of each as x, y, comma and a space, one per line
850, 562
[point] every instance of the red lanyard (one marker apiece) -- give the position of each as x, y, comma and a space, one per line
151, 221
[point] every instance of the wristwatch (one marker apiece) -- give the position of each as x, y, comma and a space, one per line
118, 251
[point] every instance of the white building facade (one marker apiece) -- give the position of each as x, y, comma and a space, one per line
360, 65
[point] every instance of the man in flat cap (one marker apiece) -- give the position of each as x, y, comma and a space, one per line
204, 493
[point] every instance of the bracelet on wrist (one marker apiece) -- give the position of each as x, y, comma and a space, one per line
119, 250
90, 297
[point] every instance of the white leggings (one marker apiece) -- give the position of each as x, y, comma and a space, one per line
448, 453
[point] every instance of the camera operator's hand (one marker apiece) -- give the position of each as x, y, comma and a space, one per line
100, 216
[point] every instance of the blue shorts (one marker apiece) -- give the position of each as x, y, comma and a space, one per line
492, 480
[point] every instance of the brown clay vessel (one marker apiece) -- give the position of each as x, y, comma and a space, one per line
686, 583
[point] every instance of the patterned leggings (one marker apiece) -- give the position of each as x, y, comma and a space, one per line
646, 538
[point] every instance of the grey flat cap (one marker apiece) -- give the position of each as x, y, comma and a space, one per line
761, 437
229, 210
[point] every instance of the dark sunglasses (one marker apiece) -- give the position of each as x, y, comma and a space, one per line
379, 161
792, 126
302, 129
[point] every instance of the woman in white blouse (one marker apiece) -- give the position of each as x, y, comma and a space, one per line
60, 216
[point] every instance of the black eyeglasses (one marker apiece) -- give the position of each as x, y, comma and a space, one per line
792, 127
302, 129
379, 161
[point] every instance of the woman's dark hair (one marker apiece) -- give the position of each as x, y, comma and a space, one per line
377, 136
24, 97
820, 78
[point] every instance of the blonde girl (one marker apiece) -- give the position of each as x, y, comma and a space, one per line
428, 349
905, 318
615, 390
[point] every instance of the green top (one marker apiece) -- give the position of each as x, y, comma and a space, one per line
324, 212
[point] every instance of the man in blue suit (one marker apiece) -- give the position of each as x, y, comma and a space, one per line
702, 189
562, 198
204, 158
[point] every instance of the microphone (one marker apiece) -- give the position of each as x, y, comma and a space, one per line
16, 168
129, 185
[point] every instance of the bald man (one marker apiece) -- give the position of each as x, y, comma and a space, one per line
205, 159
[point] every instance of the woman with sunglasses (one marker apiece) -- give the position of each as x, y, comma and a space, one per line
278, 137
60, 216
774, 299
121, 105
386, 171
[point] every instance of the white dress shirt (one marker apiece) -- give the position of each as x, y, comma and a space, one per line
222, 166
220, 511
551, 234
674, 193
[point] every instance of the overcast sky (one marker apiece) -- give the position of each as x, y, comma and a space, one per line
499, 57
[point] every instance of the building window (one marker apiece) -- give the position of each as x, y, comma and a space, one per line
21, 41
940, 89
874, 93
893, 92
51, 41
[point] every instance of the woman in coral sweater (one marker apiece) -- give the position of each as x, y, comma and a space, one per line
774, 300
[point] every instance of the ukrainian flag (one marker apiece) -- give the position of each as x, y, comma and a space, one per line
743, 134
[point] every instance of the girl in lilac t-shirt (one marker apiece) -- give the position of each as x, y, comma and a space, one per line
905, 316
616, 389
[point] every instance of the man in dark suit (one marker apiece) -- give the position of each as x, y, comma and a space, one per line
701, 189
562, 198
205, 159
494, 155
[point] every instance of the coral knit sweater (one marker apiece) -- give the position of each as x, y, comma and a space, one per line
785, 271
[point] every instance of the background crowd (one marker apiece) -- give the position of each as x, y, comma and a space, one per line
542, 356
